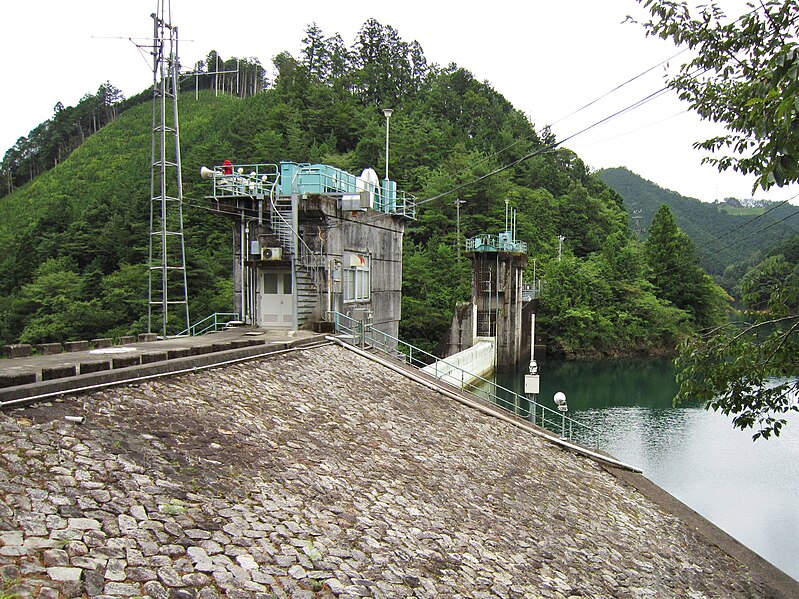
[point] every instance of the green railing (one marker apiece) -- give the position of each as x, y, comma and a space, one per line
209, 324
365, 335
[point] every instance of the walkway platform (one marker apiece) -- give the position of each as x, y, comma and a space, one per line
42, 375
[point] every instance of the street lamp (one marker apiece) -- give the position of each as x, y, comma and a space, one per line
458, 225
387, 112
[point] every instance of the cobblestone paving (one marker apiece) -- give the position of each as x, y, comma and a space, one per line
322, 474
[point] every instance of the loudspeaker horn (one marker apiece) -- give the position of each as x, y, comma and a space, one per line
206, 173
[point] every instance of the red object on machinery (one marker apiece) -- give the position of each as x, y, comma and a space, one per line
227, 167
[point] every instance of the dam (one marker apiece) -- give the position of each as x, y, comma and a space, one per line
318, 471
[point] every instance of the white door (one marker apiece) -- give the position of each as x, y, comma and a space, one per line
275, 297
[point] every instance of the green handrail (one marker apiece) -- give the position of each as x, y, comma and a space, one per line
366, 335
210, 323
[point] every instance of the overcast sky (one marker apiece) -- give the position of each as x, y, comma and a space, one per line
547, 57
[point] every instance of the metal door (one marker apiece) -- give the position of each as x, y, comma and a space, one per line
276, 301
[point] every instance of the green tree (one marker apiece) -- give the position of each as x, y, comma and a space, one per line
747, 369
744, 76
434, 280
53, 305
675, 272
315, 54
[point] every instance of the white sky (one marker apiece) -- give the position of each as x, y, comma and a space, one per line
548, 57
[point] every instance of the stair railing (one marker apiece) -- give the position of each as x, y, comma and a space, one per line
212, 323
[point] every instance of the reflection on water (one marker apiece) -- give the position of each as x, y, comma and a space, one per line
749, 489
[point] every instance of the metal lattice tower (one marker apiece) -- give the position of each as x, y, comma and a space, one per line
167, 286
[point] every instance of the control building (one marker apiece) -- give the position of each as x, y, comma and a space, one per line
312, 239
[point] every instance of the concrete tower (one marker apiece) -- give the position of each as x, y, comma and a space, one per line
498, 262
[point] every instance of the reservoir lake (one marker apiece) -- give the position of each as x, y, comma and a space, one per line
748, 489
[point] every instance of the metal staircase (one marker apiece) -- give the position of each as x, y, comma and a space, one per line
307, 265
281, 219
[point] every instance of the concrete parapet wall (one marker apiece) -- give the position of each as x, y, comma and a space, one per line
58, 372
17, 350
73, 346
49, 349
17, 383
463, 368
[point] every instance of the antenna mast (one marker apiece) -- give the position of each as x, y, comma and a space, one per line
167, 266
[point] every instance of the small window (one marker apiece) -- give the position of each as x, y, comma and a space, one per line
270, 283
357, 282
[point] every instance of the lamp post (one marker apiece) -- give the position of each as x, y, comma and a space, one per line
387, 112
458, 226
561, 239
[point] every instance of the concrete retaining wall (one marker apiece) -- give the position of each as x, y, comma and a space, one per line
463, 368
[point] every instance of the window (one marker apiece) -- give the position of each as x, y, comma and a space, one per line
270, 283
357, 283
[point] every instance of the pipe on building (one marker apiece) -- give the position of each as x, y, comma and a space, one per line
244, 231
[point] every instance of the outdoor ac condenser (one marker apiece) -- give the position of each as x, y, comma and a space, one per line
271, 253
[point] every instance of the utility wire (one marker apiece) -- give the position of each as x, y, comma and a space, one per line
552, 147
742, 225
775, 223
739, 227
618, 87
601, 97
578, 110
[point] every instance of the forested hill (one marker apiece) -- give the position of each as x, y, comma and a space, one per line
708, 224
74, 260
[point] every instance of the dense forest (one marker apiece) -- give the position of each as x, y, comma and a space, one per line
74, 230
51, 142
723, 255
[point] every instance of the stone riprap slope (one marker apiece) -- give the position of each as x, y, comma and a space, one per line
319, 474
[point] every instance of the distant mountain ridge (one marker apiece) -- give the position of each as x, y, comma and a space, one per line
713, 227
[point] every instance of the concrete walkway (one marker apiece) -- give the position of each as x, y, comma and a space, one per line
31, 376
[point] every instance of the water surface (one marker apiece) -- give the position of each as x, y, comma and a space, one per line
749, 489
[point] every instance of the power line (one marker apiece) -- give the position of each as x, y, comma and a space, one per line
742, 225
739, 227
552, 147
775, 223
578, 110
618, 87
639, 129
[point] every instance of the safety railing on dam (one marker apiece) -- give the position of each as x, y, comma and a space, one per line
367, 336
210, 324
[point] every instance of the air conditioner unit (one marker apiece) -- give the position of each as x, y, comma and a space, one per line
271, 253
